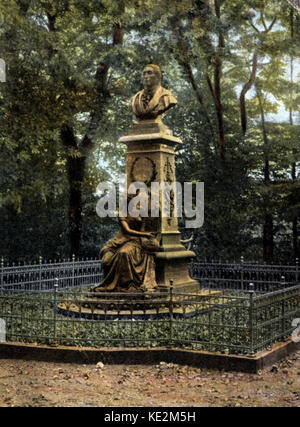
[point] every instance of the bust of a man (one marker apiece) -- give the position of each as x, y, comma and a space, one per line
153, 100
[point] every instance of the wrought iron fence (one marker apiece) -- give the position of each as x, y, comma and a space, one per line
238, 277
85, 273
222, 321
239, 309
42, 276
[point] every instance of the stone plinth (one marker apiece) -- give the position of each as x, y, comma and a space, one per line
151, 158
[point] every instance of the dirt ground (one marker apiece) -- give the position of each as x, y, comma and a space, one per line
32, 383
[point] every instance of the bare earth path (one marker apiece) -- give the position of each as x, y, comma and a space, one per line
32, 383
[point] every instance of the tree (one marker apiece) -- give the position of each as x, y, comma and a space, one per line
60, 53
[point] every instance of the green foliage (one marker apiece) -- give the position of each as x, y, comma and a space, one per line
52, 52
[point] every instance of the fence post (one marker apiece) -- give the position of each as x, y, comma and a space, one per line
40, 272
242, 273
282, 307
251, 294
2, 273
171, 313
54, 306
73, 270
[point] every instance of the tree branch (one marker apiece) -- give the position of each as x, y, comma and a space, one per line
253, 26
97, 112
266, 29
189, 72
262, 20
51, 22
67, 136
184, 62
245, 89
271, 26
117, 34
211, 88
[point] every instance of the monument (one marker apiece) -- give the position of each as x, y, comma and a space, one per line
147, 253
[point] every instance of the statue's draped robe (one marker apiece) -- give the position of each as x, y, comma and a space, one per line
127, 261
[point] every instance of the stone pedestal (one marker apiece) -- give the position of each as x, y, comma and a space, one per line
151, 158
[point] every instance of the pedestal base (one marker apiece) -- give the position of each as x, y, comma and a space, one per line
172, 268
151, 159
172, 265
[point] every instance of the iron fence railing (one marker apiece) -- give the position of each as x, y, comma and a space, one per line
238, 277
76, 274
238, 309
41, 276
222, 321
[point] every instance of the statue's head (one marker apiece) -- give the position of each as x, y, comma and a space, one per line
151, 76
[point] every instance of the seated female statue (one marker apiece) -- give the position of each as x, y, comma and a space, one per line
128, 258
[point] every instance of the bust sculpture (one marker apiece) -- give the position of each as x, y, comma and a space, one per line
153, 100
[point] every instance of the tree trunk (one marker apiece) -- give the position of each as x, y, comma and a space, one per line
219, 107
295, 238
268, 242
268, 232
216, 91
295, 222
294, 177
295, 219
75, 171
245, 89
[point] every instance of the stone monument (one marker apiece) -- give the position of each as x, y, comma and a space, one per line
147, 253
